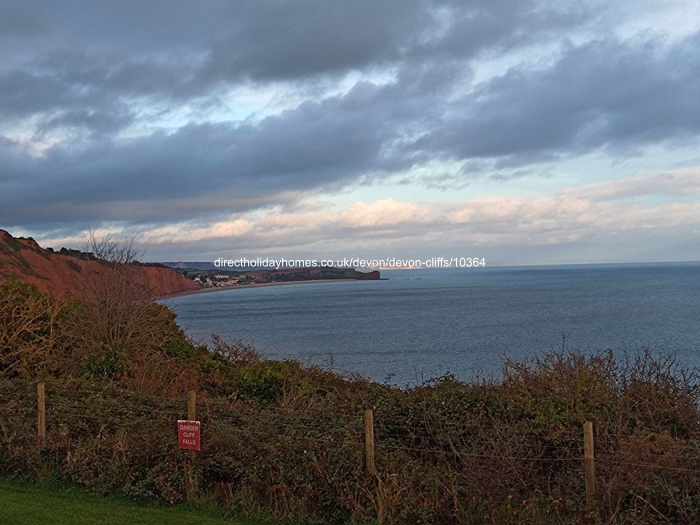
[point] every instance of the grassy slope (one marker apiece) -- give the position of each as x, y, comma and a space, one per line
25, 504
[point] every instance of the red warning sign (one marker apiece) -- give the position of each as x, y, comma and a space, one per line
189, 435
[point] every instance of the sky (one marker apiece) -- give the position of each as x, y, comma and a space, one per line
522, 131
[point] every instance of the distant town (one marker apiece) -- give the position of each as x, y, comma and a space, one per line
207, 276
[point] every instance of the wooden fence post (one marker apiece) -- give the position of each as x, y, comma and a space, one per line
589, 465
369, 442
40, 415
192, 405
372, 466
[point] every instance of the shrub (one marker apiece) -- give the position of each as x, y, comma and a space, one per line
262, 382
30, 331
286, 440
108, 366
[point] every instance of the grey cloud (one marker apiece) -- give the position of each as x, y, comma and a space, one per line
304, 149
603, 94
90, 54
80, 90
94, 67
95, 121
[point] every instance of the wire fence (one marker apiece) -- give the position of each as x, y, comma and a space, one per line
55, 413
132, 409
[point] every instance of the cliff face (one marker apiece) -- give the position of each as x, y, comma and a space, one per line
66, 274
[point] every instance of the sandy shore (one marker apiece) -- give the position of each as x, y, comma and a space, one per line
256, 285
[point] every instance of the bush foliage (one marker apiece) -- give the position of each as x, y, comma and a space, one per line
287, 441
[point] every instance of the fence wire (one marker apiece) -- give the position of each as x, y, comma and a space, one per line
118, 410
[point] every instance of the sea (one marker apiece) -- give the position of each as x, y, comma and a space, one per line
417, 325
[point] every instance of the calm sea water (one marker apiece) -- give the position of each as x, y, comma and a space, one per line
421, 324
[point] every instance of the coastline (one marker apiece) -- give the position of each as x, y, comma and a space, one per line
255, 285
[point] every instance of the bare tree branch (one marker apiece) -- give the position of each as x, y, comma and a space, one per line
113, 250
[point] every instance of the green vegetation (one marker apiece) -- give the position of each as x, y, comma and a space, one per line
25, 504
283, 440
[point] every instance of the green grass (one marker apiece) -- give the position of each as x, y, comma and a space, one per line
29, 504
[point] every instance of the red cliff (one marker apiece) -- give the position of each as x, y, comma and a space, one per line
66, 274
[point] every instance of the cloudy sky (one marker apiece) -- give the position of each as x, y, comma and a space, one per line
523, 131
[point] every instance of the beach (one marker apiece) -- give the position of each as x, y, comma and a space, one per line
255, 285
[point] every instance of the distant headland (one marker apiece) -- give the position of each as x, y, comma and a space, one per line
210, 278
68, 272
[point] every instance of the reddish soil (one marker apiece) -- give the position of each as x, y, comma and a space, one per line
63, 275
